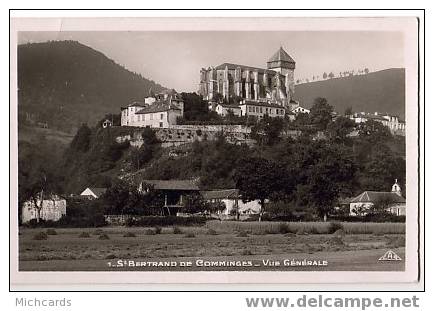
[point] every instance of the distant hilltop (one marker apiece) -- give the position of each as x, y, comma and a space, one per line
65, 83
381, 91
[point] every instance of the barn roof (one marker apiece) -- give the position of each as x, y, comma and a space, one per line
220, 194
173, 184
98, 191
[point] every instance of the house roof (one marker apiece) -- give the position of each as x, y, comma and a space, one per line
220, 194
299, 107
98, 191
134, 104
376, 196
157, 107
258, 103
173, 184
230, 106
281, 55
232, 66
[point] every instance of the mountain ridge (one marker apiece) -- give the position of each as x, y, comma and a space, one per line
66, 83
380, 91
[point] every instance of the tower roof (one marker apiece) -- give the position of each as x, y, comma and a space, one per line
282, 56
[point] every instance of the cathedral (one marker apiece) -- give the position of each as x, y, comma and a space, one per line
237, 82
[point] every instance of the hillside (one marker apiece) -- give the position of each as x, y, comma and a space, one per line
381, 91
65, 83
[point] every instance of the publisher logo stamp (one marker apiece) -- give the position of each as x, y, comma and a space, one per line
390, 256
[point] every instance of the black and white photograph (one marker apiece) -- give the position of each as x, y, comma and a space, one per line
216, 145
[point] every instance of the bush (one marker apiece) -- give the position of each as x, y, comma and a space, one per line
369, 218
335, 241
242, 234
395, 242
104, 237
190, 235
149, 232
339, 232
166, 221
51, 231
284, 228
84, 235
301, 231
40, 236
98, 232
158, 230
129, 235
335, 226
211, 232
177, 230
110, 256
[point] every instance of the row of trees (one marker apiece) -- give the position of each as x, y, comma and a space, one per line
331, 75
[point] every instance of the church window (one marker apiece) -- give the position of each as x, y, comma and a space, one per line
161, 116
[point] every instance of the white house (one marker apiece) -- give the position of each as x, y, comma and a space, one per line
394, 123
53, 208
259, 109
223, 109
162, 111
161, 115
128, 113
231, 199
300, 109
361, 204
93, 193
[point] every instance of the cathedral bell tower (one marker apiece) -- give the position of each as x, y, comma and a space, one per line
282, 63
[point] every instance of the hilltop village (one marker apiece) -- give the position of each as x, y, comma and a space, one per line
243, 92
250, 147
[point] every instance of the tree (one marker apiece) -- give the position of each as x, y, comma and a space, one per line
218, 97
323, 172
195, 108
259, 179
145, 153
348, 111
373, 131
38, 174
194, 203
331, 75
366, 70
340, 129
125, 198
381, 206
324, 75
81, 140
149, 137
268, 130
381, 168
321, 113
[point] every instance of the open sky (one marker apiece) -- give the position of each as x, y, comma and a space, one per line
174, 59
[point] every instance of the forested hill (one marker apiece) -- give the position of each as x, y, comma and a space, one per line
65, 83
381, 91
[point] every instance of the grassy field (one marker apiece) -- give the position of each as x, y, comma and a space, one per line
97, 249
